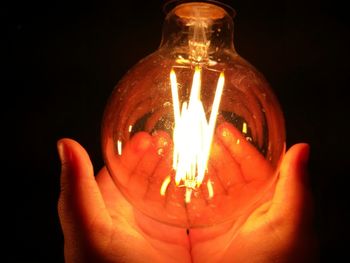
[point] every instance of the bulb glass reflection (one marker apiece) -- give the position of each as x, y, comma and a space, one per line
193, 135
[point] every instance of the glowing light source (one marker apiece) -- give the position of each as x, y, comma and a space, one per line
193, 135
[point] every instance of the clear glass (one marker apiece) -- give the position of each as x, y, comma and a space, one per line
193, 135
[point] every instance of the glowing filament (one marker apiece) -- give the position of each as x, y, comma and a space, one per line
210, 189
165, 184
193, 136
244, 128
119, 147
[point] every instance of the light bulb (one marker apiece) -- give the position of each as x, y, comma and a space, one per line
193, 135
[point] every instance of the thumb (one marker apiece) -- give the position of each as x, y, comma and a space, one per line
292, 199
80, 205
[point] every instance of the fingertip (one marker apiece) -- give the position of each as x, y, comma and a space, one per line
297, 156
73, 156
223, 130
292, 197
80, 199
304, 153
230, 136
62, 149
141, 142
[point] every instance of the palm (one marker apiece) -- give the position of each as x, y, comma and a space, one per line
142, 237
99, 223
236, 183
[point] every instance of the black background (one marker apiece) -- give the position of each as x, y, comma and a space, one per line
62, 59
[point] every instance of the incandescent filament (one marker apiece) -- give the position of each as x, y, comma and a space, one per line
193, 135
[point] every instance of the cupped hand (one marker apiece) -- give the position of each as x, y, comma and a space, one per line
279, 227
99, 225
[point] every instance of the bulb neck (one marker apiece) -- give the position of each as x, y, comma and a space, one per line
197, 33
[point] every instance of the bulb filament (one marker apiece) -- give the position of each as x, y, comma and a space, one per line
193, 135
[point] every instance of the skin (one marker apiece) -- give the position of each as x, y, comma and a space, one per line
99, 225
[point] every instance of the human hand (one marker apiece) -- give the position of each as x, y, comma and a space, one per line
99, 225
279, 228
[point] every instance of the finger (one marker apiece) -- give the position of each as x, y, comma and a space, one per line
80, 202
158, 183
123, 165
164, 196
144, 173
252, 163
175, 207
292, 198
228, 171
213, 185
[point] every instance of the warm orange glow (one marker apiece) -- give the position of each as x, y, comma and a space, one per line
165, 184
210, 189
193, 136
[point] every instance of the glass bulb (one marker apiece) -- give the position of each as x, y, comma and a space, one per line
193, 135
